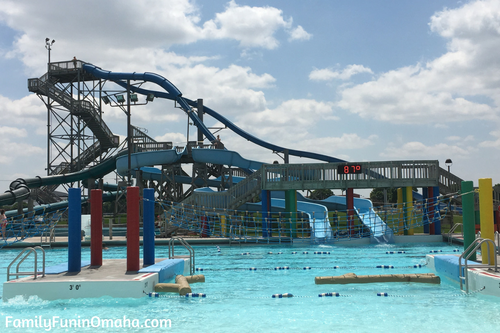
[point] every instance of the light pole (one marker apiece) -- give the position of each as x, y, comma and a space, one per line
48, 46
448, 163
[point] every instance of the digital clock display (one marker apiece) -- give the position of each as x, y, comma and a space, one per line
349, 169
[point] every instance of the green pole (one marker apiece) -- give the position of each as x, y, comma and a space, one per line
469, 221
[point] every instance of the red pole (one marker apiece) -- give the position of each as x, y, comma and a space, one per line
96, 228
133, 242
350, 209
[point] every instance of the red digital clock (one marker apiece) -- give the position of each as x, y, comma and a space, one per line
349, 169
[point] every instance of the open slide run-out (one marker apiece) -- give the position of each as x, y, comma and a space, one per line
318, 218
380, 232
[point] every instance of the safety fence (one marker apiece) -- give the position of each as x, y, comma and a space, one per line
249, 226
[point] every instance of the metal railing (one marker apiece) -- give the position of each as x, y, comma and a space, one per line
34, 272
471, 249
171, 252
370, 175
450, 233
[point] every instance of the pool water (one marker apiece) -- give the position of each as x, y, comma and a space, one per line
240, 300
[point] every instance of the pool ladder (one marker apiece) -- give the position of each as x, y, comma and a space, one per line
27, 252
171, 253
473, 247
452, 230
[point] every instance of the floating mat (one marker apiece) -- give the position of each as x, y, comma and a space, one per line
353, 278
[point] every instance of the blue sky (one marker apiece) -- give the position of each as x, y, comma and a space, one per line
358, 80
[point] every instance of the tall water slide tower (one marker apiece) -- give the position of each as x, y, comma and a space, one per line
78, 137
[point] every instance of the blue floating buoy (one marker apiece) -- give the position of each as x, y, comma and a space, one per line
218, 248
269, 252
253, 268
435, 251
245, 253
456, 250
382, 294
336, 267
196, 295
305, 252
305, 268
286, 295
198, 269
280, 253
329, 295
401, 251
294, 252
154, 295
417, 265
385, 266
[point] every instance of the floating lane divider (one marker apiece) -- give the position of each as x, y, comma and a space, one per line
435, 251
286, 295
333, 294
201, 269
395, 252
321, 252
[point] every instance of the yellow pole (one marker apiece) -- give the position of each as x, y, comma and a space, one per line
486, 217
223, 225
401, 225
409, 208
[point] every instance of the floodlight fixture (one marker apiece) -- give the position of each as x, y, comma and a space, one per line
150, 97
105, 99
134, 98
120, 99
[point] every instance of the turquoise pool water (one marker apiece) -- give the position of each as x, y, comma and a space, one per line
240, 300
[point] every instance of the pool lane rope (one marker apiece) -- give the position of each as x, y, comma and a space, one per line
290, 295
201, 269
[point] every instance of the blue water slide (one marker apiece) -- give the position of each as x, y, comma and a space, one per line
318, 218
226, 157
379, 230
137, 160
174, 94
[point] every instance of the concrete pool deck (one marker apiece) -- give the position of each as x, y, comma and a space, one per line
62, 241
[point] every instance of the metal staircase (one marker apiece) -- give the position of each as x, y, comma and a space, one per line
234, 197
83, 109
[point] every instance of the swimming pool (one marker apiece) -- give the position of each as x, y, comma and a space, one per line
240, 299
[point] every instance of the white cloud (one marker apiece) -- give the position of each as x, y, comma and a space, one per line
440, 90
299, 34
492, 144
327, 74
418, 150
251, 26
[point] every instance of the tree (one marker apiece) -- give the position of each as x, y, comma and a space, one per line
377, 195
320, 194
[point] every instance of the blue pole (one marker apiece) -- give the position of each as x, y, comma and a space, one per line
148, 227
437, 222
74, 230
425, 203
